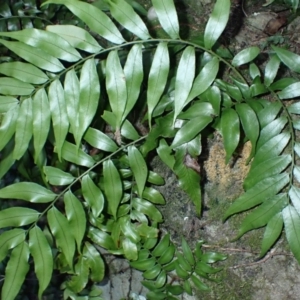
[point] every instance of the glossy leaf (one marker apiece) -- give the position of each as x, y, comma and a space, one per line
153, 196
290, 59
294, 108
58, 114
17, 216
92, 195
35, 56
112, 186
157, 77
70, 153
190, 129
271, 69
199, 284
10, 239
130, 249
184, 79
27, 191
15, 271
263, 214
101, 238
12, 86
116, 86
292, 91
164, 152
267, 168
7, 159
269, 113
88, 99
72, 94
187, 252
76, 36
42, 257
97, 20
230, 130
272, 233
259, 193
204, 79
56, 176
128, 18
100, 140
6, 103
47, 41
250, 124
8, 126
61, 229
148, 209
133, 71
41, 121
291, 221
245, 56
23, 128
167, 17
139, 168
76, 217
216, 22
95, 262
24, 72
294, 194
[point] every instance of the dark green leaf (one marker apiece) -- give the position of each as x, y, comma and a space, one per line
27, 191
230, 130
112, 186
56, 176
15, 272
187, 252
167, 17
271, 69
290, 59
61, 229
272, 233
17, 216
199, 284
245, 56
153, 196
259, 193
148, 209
216, 22
97, 20
42, 257
291, 221
198, 110
76, 217
294, 194
269, 113
292, 91
157, 77
101, 238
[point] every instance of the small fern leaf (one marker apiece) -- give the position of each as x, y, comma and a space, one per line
17, 216
133, 71
291, 221
230, 130
47, 41
148, 209
116, 87
290, 59
204, 79
89, 98
167, 16
92, 195
271, 69
15, 271
272, 148
259, 193
34, 55
24, 128
76, 217
61, 229
128, 18
76, 36
58, 177
263, 214
269, 113
7, 159
8, 126
11, 86
139, 168
291, 91
267, 168
97, 20
112, 186
216, 22
58, 114
72, 92
184, 79
6, 103
42, 257
41, 121
294, 194
10, 239
24, 72
95, 262
27, 191
157, 77
272, 233
245, 56
101, 238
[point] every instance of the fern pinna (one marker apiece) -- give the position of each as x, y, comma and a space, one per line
82, 109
